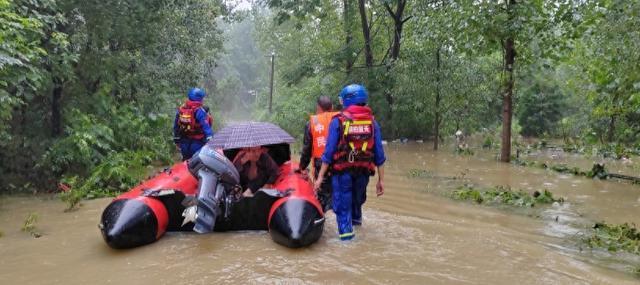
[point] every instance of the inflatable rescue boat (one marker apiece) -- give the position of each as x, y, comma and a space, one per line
289, 211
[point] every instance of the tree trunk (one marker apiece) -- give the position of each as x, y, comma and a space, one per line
368, 53
56, 109
436, 126
612, 128
398, 24
346, 14
395, 45
507, 99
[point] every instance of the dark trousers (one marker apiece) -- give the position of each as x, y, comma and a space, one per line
324, 194
188, 147
349, 194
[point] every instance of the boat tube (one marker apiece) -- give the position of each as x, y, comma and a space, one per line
290, 211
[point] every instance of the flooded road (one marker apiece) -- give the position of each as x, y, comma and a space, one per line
414, 234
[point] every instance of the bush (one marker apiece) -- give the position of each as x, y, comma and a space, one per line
117, 173
102, 157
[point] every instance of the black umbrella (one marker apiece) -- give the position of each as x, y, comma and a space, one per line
250, 134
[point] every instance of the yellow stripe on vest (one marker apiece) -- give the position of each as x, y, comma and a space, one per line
346, 127
357, 123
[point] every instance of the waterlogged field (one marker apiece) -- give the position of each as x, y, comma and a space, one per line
417, 233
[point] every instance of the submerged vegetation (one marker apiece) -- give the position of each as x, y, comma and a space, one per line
419, 173
29, 225
615, 238
597, 171
501, 195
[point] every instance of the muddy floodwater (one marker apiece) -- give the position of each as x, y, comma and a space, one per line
414, 234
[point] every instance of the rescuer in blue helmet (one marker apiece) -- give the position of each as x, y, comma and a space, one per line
354, 152
192, 125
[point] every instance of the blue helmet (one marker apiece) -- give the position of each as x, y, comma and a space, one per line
196, 94
354, 94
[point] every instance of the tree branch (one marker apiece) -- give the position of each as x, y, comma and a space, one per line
393, 15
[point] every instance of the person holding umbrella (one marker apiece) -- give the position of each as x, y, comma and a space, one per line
354, 151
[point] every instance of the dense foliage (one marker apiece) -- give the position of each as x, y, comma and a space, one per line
561, 68
88, 88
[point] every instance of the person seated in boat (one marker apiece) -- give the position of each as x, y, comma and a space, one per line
256, 168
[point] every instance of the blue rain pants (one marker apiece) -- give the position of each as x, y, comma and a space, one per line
188, 147
349, 194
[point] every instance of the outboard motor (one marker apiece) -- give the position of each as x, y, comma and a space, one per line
216, 176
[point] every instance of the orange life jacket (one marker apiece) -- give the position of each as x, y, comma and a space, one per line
355, 147
189, 126
319, 127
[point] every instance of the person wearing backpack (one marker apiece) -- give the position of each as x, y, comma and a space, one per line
192, 125
354, 152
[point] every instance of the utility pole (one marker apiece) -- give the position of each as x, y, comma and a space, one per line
273, 55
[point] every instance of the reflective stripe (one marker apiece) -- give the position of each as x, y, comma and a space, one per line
361, 122
346, 127
347, 235
352, 145
364, 146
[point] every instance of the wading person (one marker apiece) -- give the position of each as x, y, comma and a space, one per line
353, 151
315, 140
192, 125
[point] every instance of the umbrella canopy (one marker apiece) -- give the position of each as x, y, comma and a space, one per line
250, 134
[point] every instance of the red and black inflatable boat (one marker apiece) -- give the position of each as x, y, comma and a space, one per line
290, 211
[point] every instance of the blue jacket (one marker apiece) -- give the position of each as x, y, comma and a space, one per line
201, 118
334, 138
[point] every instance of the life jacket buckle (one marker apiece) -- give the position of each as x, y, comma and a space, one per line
352, 155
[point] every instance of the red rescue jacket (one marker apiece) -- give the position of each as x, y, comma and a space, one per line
355, 147
187, 123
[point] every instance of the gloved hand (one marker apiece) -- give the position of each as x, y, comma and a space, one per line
208, 139
176, 140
